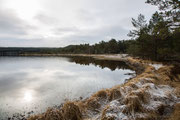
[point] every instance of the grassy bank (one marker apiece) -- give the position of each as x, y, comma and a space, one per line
153, 94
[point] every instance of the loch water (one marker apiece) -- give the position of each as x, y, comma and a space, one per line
29, 85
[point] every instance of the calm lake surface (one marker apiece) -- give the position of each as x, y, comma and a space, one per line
29, 85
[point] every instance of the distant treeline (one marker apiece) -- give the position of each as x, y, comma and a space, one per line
16, 51
110, 47
156, 39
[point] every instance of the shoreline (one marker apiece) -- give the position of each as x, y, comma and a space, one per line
144, 97
112, 57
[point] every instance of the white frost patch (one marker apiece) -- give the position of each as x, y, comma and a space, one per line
159, 95
156, 66
123, 55
118, 56
114, 103
148, 79
115, 111
122, 116
153, 105
138, 84
159, 91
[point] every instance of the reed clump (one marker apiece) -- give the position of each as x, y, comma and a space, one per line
142, 95
102, 94
107, 109
133, 105
69, 111
95, 101
92, 103
35, 117
114, 93
50, 114
53, 114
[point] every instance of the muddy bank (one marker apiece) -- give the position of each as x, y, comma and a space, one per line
154, 94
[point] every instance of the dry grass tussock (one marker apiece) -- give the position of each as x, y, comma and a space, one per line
102, 94
114, 94
142, 94
50, 114
69, 111
133, 104
144, 97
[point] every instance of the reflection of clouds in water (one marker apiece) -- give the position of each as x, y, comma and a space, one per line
27, 96
45, 81
11, 82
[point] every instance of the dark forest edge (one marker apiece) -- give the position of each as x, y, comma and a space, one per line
156, 39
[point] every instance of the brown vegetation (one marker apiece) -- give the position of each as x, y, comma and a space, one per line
69, 111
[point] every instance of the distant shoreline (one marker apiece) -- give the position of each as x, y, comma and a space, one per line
118, 57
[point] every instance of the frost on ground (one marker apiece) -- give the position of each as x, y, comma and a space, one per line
141, 102
149, 96
156, 66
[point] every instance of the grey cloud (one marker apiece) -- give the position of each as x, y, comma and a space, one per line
104, 33
88, 16
16, 82
10, 24
81, 21
115, 31
45, 19
61, 30
22, 42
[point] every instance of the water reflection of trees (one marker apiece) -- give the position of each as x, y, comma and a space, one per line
113, 65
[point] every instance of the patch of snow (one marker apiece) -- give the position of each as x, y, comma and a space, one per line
125, 90
138, 84
123, 55
115, 111
153, 105
122, 116
160, 90
111, 115
118, 56
114, 103
160, 95
156, 66
148, 79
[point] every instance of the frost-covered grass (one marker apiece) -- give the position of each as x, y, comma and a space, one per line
142, 103
156, 66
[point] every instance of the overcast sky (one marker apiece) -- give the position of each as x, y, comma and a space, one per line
57, 23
